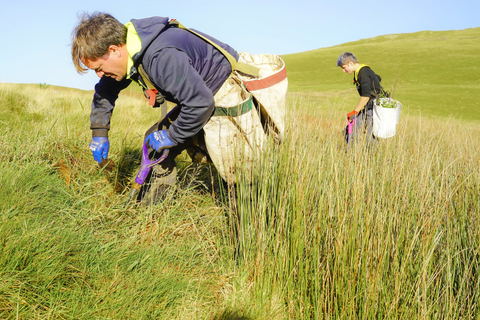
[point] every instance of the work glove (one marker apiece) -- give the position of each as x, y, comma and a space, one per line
351, 116
159, 140
99, 147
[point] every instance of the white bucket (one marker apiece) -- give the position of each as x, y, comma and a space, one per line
385, 120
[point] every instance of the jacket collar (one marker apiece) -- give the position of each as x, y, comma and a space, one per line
134, 46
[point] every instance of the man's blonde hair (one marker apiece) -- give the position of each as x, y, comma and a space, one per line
93, 36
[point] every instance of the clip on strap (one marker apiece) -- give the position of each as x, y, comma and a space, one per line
151, 95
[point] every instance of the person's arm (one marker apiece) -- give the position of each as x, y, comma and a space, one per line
365, 89
106, 93
171, 70
361, 103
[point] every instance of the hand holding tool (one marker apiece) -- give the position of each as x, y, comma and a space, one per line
142, 174
352, 115
159, 140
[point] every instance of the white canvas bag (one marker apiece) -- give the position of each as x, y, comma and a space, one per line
269, 88
385, 119
234, 135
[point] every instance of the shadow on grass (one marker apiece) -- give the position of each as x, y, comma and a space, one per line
124, 170
231, 315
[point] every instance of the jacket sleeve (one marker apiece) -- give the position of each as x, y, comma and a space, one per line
172, 71
106, 93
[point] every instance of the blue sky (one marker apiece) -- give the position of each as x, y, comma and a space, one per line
35, 35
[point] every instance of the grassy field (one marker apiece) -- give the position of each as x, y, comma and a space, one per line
390, 233
431, 73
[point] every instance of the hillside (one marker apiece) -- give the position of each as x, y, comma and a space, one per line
432, 73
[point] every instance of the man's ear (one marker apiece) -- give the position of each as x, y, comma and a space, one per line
113, 49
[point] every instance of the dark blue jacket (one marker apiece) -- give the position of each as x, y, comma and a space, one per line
183, 67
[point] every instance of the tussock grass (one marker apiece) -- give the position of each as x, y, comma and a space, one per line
323, 233
389, 232
68, 248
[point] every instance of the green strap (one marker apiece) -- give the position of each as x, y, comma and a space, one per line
239, 66
234, 111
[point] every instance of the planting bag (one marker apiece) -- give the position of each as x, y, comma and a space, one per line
386, 114
269, 89
234, 135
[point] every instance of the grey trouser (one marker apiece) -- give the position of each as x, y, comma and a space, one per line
363, 125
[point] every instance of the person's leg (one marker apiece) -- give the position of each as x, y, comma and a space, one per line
369, 127
363, 126
162, 176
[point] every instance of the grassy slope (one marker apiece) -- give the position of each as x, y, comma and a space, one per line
433, 73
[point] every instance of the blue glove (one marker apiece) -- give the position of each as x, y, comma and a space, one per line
159, 140
99, 147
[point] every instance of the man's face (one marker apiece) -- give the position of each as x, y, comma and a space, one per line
348, 68
113, 65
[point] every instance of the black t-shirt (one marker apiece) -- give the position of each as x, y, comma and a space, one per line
368, 83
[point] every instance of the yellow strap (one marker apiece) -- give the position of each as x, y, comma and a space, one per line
355, 75
239, 66
145, 77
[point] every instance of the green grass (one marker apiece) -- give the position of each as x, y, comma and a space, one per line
68, 248
390, 233
431, 73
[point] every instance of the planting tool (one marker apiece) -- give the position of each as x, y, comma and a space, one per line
145, 167
349, 131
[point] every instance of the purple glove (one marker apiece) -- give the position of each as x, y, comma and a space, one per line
99, 147
159, 140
